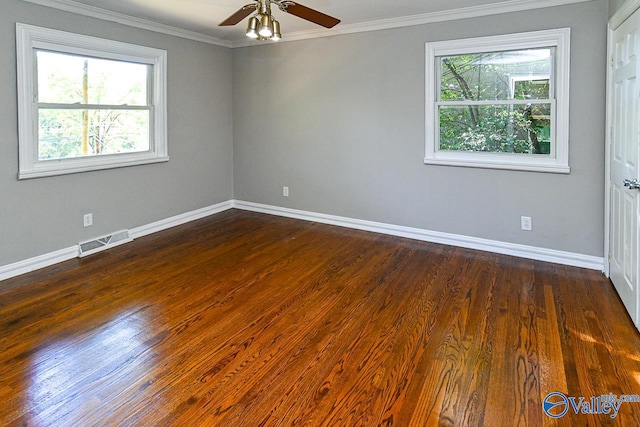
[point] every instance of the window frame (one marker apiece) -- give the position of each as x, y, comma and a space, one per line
558, 160
29, 40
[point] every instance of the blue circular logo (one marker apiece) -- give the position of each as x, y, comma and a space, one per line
555, 404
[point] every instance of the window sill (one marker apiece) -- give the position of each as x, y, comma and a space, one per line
519, 164
64, 167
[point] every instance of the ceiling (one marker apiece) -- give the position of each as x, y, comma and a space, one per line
203, 16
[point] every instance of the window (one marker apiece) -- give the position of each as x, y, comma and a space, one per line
499, 102
87, 103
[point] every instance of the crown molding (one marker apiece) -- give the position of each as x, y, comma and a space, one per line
132, 21
501, 7
497, 8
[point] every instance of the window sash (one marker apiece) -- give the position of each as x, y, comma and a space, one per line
119, 134
532, 76
496, 102
524, 156
149, 101
54, 106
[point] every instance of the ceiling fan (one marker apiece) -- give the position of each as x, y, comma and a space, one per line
263, 26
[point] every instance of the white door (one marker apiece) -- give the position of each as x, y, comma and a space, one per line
624, 165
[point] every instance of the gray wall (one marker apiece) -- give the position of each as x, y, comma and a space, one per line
614, 6
344, 129
38, 216
341, 122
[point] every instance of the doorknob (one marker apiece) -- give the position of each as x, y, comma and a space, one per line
632, 184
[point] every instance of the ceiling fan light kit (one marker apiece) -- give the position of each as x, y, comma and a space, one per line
263, 26
276, 31
252, 28
266, 26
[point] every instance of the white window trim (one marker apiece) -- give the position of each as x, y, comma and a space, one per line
558, 160
29, 38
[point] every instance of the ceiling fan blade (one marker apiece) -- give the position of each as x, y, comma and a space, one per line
309, 14
245, 11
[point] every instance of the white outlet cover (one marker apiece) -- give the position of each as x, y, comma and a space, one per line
88, 220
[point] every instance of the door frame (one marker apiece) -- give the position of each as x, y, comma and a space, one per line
627, 9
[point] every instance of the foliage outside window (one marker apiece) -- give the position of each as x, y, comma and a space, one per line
87, 103
499, 102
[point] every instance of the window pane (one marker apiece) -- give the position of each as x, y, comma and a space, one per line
507, 128
61, 80
107, 132
518, 74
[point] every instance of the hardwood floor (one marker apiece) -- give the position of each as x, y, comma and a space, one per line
244, 319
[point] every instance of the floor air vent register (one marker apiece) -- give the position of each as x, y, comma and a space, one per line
102, 243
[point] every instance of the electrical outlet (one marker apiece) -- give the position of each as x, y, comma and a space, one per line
285, 191
88, 220
525, 223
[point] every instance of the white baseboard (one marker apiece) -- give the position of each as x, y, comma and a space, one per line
522, 251
174, 221
46, 260
35, 263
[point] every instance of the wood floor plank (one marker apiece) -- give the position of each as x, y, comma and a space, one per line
245, 319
